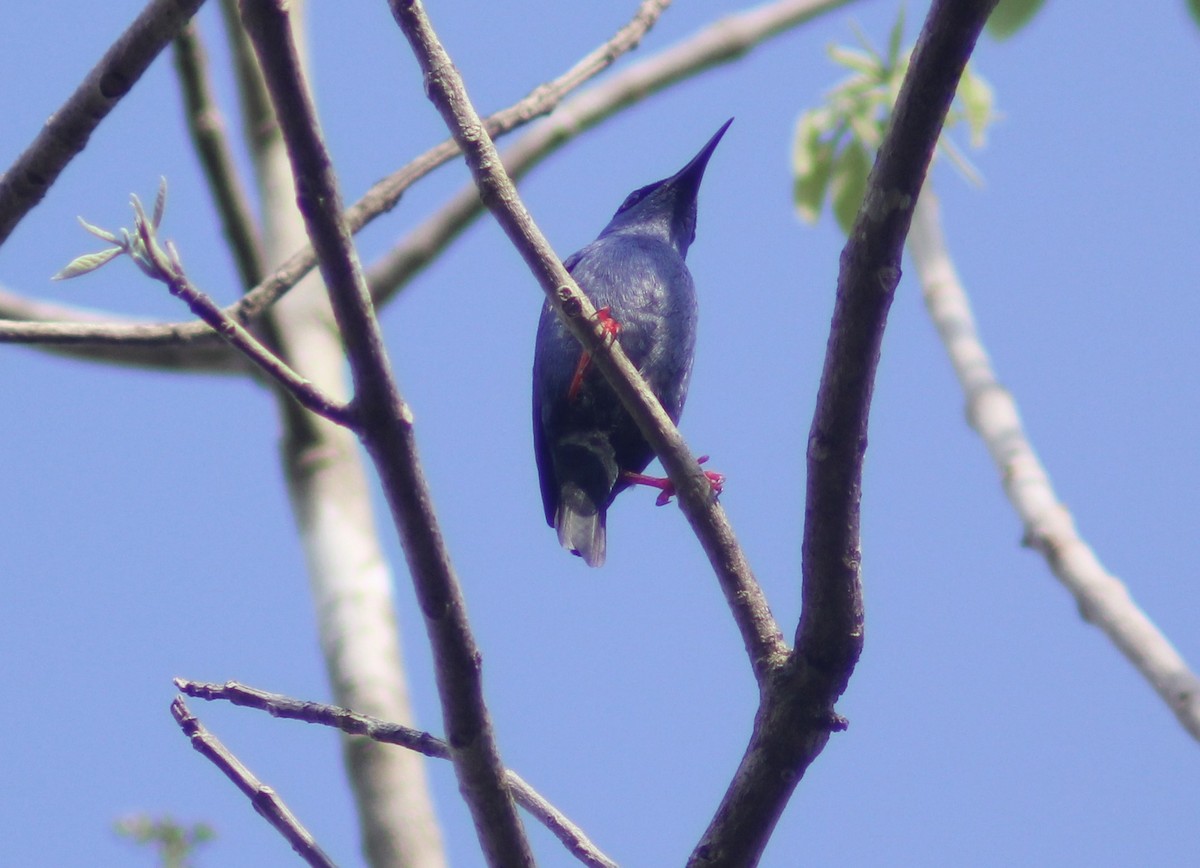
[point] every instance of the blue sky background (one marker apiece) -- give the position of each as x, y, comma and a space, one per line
146, 533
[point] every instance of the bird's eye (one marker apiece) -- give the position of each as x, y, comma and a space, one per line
635, 197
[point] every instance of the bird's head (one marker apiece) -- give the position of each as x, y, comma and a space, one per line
667, 208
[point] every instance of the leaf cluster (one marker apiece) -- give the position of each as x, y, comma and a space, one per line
174, 842
141, 244
835, 143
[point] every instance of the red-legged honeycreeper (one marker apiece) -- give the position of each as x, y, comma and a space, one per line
585, 442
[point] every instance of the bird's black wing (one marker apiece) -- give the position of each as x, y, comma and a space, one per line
546, 379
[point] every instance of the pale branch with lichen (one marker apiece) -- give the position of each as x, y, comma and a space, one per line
387, 433
1049, 528
350, 581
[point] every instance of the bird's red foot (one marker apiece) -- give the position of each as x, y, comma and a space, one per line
666, 488
610, 326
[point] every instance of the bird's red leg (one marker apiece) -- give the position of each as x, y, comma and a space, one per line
666, 487
611, 327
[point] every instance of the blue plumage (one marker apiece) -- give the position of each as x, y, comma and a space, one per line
584, 440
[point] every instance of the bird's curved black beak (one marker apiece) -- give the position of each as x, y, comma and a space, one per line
692, 174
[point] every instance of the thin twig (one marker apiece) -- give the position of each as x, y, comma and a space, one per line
264, 799
387, 433
68, 130
764, 643
381, 198
207, 130
542, 100
163, 264
720, 42
797, 712
1049, 528
301, 388
723, 41
353, 723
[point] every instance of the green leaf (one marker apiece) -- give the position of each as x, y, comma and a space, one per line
1009, 16
809, 188
977, 101
852, 89
102, 234
893, 51
896, 80
87, 263
867, 130
848, 183
1194, 8
814, 124
836, 143
859, 61
810, 129
861, 35
139, 213
812, 163
160, 201
965, 167
174, 843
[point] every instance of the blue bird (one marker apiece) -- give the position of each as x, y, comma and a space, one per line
587, 446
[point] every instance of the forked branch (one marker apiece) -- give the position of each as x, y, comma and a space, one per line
797, 713
265, 800
353, 723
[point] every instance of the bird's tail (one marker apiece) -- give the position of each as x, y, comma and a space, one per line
581, 525
587, 476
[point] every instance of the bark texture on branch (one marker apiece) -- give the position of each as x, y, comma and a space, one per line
796, 714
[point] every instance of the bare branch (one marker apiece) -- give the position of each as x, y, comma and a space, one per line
387, 433
264, 799
762, 638
543, 99
83, 334
307, 393
216, 156
721, 42
353, 723
68, 130
1103, 599
797, 712
830, 631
